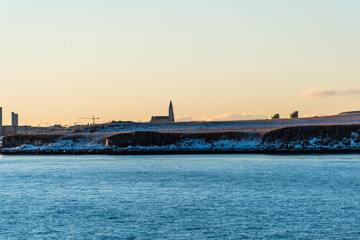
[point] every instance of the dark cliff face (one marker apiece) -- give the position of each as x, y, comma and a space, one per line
145, 138
137, 138
16, 140
335, 132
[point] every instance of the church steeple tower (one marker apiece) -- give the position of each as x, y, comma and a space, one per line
171, 113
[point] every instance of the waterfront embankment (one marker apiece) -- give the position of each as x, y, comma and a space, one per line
294, 139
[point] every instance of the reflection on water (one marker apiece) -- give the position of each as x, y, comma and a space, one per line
180, 197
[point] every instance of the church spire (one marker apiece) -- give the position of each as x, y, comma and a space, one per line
171, 112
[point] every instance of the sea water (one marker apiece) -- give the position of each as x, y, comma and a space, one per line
180, 197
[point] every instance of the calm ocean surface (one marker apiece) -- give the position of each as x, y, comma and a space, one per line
180, 197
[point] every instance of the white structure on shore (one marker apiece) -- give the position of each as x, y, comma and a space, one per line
164, 119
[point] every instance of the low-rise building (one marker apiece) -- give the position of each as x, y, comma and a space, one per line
275, 116
294, 114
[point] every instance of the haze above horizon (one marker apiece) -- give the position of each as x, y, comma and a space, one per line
217, 60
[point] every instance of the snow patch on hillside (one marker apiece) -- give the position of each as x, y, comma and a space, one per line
317, 143
186, 145
62, 145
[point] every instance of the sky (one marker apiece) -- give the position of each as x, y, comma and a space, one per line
216, 60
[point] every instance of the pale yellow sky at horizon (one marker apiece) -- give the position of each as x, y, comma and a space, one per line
217, 60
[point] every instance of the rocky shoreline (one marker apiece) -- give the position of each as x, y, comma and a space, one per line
287, 140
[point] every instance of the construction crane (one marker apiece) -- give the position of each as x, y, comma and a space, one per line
93, 118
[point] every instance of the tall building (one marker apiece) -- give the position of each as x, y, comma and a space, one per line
165, 119
1, 123
17, 119
14, 119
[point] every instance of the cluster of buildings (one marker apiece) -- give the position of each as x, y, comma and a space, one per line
14, 127
292, 115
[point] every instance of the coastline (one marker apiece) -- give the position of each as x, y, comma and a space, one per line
116, 139
197, 152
